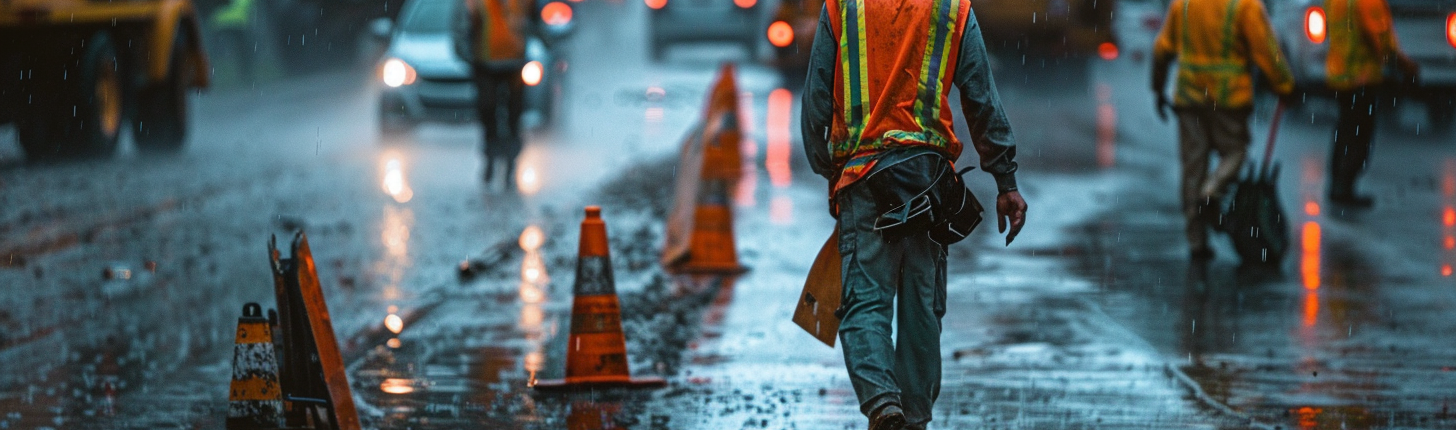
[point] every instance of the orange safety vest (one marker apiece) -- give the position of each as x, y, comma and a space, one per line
499, 35
892, 81
1214, 42
1353, 60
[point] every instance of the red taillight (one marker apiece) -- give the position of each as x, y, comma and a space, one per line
655, 4
1451, 29
780, 34
556, 13
745, 3
1107, 50
1314, 24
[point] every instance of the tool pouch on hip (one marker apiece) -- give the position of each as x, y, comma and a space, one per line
923, 194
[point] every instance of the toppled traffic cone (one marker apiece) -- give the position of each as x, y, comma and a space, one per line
711, 248
254, 398
596, 352
311, 371
700, 226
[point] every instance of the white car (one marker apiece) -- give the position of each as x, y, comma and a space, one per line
1427, 33
425, 80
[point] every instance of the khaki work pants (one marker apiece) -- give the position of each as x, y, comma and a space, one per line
1203, 131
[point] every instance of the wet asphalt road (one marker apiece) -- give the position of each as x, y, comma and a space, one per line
123, 278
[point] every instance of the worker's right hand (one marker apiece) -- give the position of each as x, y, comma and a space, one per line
1010, 209
1162, 106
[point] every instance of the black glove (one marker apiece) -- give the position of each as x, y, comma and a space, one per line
1162, 106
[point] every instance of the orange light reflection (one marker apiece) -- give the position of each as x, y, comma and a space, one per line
1311, 308
1106, 127
781, 210
776, 160
1309, 264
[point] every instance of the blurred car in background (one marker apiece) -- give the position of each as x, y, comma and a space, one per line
426, 81
1427, 33
673, 22
791, 34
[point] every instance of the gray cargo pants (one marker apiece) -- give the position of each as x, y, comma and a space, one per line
905, 371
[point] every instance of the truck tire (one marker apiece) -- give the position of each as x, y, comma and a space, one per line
161, 119
87, 120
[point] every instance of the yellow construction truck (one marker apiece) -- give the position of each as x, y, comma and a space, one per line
73, 73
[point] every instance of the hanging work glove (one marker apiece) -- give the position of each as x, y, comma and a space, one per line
1162, 106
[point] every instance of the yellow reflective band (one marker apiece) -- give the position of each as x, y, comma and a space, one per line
933, 64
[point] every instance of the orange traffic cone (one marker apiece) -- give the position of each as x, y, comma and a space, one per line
722, 157
254, 398
711, 247
596, 352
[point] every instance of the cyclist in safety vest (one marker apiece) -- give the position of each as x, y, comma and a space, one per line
877, 98
1216, 43
491, 34
1362, 43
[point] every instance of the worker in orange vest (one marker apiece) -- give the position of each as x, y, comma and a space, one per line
877, 124
1362, 43
1216, 43
491, 34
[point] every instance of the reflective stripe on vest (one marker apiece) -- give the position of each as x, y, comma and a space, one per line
856, 84
927, 105
1223, 70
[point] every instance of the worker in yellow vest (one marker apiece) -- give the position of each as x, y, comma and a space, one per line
1362, 43
1216, 44
233, 25
491, 35
877, 123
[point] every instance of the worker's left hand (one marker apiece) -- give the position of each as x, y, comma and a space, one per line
1010, 209
1162, 106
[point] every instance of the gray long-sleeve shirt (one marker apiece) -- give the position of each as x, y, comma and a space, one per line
980, 104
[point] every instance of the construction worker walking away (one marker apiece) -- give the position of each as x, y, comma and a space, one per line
491, 35
1216, 42
877, 124
233, 27
1362, 43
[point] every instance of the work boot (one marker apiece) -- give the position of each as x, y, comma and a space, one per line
888, 417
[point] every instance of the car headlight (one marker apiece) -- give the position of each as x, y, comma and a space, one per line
396, 72
531, 73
